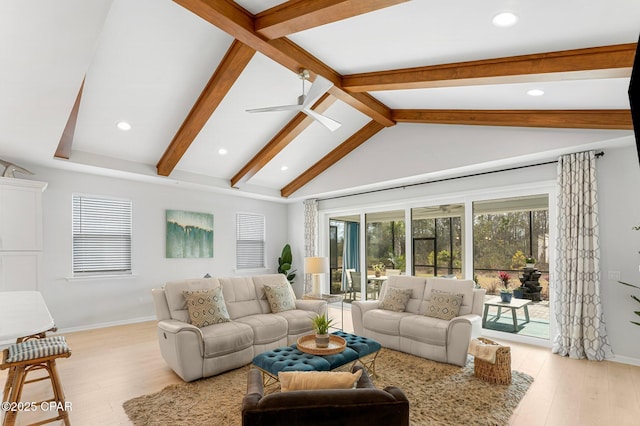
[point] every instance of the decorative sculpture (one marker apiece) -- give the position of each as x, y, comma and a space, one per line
11, 168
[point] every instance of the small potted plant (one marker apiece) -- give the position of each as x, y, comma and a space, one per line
321, 324
505, 291
530, 262
378, 268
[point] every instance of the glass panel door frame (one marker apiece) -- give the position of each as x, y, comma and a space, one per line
466, 198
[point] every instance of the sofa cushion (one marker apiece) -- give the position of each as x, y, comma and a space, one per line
174, 292
260, 281
443, 305
428, 330
463, 287
416, 284
206, 307
226, 338
309, 380
280, 297
395, 299
385, 322
240, 297
266, 328
298, 321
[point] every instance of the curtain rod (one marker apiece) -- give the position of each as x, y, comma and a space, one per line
598, 155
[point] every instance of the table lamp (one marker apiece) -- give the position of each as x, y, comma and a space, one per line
316, 266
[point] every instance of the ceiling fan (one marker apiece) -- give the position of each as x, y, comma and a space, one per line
305, 102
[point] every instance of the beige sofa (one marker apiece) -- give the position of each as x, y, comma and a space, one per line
415, 333
194, 352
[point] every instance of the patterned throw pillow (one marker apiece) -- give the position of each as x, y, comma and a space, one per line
206, 307
396, 299
443, 305
280, 298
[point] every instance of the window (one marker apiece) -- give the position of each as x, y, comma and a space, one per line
505, 233
101, 236
250, 238
437, 240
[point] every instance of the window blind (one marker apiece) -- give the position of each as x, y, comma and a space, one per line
101, 236
250, 238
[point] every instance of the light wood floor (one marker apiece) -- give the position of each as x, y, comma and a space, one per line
112, 365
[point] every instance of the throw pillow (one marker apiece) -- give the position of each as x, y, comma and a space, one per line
309, 380
206, 307
443, 305
396, 299
280, 298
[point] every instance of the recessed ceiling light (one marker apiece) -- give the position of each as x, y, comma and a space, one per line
222, 151
535, 92
284, 168
123, 125
505, 19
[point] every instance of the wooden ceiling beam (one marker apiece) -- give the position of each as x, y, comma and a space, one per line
357, 139
598, 62
237, 22
609, 119
232, 65
296, 126
299, 15
66, 140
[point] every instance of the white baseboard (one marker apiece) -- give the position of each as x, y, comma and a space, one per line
105, 324
6, 343
625, 360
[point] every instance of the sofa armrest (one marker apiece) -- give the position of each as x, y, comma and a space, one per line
255, 390
358, 309
160, 304
459, 333
175, 326
182, 347
317, 306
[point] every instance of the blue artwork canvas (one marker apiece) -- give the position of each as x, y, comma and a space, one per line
189, 234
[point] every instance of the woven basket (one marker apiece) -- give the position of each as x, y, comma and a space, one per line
500, 372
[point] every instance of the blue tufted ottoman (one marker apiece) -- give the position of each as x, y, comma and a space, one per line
289, 358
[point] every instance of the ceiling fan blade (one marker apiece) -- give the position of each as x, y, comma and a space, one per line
277, 108
318, 88
327, 122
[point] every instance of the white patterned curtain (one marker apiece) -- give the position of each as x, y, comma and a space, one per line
581, 327
310, 236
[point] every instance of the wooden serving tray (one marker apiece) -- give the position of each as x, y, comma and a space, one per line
308, 344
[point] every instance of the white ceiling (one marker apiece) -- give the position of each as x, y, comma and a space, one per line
146, 62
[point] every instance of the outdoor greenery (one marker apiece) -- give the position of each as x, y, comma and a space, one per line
503, 237
386, 244
502, 241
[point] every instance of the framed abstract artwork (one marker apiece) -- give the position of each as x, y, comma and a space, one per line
189, 235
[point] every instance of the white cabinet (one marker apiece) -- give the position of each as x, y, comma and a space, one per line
20, 233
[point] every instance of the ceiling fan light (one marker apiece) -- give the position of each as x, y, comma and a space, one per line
284, 168
505, 19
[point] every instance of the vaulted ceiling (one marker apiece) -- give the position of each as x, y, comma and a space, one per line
421, 88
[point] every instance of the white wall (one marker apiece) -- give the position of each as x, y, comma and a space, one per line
618, 188
618, 180
296, 239
85, 303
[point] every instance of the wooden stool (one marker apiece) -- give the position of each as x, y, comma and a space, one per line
32, 355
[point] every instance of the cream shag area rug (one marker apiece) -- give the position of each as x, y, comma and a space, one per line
439, 394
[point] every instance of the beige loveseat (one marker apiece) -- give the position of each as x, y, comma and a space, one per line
196, 352
412, 331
